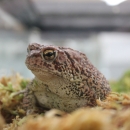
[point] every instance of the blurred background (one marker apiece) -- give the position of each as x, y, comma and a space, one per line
99, 28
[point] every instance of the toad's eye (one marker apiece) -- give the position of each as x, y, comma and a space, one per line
49, 55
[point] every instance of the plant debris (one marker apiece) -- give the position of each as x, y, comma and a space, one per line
111, 114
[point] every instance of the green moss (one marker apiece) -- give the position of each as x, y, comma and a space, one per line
24, 83
123, 84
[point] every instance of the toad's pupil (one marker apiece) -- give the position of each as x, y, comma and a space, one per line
49, 54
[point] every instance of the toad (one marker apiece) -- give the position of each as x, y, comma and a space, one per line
64, 79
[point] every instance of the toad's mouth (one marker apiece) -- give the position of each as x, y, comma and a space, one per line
36, 69
41, 71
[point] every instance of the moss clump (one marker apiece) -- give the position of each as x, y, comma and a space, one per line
10, 105
110, 114
123, 84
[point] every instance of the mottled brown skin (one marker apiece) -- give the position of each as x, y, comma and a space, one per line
64, 79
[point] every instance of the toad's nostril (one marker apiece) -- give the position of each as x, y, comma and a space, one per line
28, 51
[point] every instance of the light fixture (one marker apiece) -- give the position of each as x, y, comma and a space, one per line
113, 2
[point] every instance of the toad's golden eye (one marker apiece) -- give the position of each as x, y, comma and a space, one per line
49, 55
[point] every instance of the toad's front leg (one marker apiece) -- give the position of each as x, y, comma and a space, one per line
29, 102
